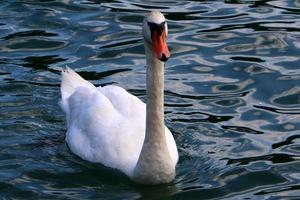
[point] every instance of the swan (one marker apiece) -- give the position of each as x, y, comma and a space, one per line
108, 125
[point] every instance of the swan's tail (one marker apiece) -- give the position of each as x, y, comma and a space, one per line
69, 82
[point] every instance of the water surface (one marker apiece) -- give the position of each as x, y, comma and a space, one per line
232, 95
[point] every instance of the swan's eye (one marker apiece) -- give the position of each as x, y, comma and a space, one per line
158, 28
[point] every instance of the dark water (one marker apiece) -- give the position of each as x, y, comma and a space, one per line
232, 95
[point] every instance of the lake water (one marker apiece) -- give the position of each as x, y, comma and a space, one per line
232, 95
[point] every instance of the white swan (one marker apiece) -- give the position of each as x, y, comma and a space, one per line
108, 125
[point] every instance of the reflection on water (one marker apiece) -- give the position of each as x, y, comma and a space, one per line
232, 96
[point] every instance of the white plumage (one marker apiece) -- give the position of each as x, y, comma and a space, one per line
105, 124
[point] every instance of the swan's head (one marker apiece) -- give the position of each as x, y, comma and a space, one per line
155, 31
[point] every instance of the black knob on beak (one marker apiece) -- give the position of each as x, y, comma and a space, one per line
164, 58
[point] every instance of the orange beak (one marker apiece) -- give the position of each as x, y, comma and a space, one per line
160, 46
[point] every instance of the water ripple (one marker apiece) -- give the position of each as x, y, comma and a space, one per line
231, 95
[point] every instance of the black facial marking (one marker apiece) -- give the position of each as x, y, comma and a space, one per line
158, 28
164, 58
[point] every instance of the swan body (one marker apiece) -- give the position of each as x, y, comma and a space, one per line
109, 125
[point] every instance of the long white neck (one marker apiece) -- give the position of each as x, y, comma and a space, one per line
154, 165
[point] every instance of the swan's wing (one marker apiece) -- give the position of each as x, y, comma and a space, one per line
124, 102
91, 121
105, 125
171, 145
99, 132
